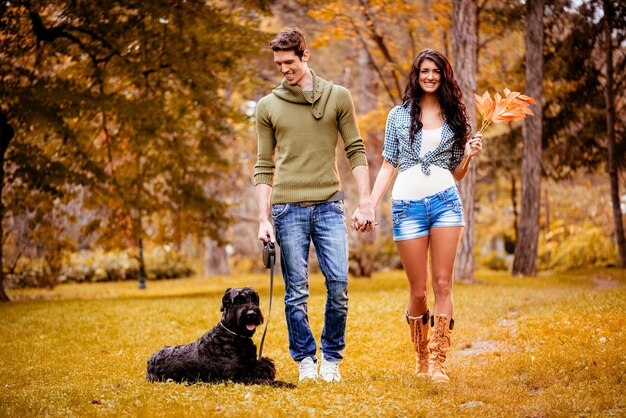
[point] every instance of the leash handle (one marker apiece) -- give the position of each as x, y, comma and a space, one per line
269, 259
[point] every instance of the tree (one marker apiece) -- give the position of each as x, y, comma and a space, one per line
525, 261
6, 135
132, 97
609, 97
464, 47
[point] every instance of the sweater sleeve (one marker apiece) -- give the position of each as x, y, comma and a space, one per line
264, 167
346, 120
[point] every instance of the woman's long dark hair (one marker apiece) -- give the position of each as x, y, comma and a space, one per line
448, 93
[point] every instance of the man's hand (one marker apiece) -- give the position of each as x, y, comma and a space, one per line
266, 231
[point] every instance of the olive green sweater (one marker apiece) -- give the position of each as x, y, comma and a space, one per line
303, 127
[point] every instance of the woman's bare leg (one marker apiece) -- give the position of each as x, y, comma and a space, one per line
414, 256
443, 245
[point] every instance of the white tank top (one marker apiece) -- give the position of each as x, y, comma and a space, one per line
413, 183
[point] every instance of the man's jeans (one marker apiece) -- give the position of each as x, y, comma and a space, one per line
296, 226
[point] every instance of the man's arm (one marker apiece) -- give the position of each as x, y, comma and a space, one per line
264, 172
266, 229
355, 151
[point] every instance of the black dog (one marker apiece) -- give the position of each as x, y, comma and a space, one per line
226, 352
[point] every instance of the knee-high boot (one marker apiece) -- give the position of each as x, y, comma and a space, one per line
418, 326
440, 346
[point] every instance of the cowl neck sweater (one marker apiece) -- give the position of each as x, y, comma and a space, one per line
297, 141
319, 98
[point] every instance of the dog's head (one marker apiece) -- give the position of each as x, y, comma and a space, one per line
241, 311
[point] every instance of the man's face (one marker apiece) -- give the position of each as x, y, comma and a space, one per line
291, 66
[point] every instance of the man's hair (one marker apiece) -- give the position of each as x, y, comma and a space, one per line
291, 39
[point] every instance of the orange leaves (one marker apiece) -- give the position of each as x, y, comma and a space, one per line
513, 106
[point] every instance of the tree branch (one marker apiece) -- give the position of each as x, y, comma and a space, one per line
380, 42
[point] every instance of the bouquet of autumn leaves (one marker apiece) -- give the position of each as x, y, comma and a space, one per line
513, 106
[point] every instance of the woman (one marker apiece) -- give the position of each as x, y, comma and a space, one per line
427, 141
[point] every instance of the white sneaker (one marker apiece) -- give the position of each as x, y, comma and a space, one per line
308, 369
329, 371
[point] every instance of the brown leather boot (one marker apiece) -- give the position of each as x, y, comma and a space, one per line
418, 325
439, 346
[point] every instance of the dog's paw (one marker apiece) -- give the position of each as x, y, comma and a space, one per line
282, 385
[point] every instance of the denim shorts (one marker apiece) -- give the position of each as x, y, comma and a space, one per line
414, 218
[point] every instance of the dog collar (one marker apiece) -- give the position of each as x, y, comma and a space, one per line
232, 332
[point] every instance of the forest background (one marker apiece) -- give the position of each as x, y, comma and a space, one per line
128, 143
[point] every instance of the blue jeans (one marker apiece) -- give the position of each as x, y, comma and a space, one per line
325, 225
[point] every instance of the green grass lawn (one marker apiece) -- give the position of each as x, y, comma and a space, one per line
549, 346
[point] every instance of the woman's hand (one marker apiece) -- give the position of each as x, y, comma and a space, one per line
474, 145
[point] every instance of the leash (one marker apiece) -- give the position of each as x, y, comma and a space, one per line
269, 259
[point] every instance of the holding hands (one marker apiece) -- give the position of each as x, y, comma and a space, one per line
363, 219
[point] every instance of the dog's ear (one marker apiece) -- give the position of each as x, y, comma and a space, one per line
225, 300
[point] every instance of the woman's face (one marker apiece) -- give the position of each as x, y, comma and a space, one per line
430, 76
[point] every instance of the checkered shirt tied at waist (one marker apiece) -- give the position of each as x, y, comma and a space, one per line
399, 153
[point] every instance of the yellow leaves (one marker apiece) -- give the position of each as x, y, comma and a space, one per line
512, 107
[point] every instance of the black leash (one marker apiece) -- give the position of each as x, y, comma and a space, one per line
269, 259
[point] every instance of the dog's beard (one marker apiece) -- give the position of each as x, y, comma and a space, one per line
244, 320
251, 318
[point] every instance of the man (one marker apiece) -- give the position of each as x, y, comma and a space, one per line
301, 190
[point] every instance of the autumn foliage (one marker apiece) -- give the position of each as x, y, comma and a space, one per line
513, 106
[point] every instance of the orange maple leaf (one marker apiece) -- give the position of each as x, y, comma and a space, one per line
513, 106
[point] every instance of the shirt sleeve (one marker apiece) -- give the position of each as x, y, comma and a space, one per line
390, 144
264, 167
457, 156
348, 128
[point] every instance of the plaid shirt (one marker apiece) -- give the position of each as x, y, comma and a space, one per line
399, 153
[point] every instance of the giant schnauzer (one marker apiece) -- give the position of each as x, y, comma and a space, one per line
224, 353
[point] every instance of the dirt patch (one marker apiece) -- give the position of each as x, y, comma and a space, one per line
604, 282
480, 347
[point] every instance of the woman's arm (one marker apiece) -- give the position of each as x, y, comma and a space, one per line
472, 149
383, 179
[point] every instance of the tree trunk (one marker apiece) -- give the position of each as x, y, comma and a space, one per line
514, 204
142, 266
216, 258
139, 228
525, 261
609, 98
6, 135
464, 47
546, 203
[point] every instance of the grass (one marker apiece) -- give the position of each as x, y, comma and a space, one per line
549, 346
